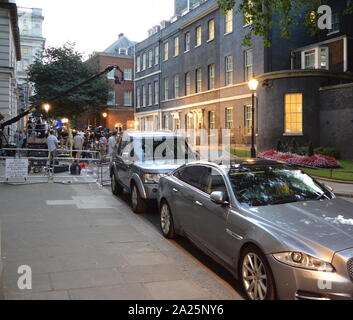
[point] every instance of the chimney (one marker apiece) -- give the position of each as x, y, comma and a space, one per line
121, 35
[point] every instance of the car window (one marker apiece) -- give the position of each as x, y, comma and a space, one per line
216, 183
192, 175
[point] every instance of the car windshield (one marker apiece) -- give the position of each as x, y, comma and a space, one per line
272, 186
162, 148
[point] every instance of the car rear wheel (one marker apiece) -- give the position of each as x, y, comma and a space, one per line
256, 275
116, 188
166, 221
137, 203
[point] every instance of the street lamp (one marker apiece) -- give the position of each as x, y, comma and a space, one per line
253, 84
65, 121
46, 107
105, 115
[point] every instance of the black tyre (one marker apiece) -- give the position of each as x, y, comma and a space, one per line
256, 276
137, 203
166, 221
116, 188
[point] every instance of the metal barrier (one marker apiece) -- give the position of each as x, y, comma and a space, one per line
42, 167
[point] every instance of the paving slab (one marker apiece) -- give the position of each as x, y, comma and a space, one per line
176, 290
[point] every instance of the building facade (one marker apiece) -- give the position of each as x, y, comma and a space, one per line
30, 21
192, 72
10, 53
120, 107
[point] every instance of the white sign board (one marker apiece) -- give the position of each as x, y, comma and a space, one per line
16, 169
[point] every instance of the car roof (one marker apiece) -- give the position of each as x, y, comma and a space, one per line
238, 163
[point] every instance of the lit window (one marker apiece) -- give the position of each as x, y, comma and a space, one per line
294, 113
248, 17
211, 77
187, 84
211, 30
229, 70
166, 51
25, 50
198, 36
176, 46
187, 41
198, 80
229, 118
176, 86
248, 65
229, 21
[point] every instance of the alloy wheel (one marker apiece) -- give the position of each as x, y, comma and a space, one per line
134, 196
254, 277
165, 219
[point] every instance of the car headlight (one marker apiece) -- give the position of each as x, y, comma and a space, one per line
152, 178
304, 261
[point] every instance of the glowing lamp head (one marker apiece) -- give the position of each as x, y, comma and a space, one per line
46, 107
105, 115
253, 84
65, 121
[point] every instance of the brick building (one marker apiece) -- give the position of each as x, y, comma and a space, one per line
120, 107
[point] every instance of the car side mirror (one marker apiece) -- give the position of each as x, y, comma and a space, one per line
218, 197
329, 188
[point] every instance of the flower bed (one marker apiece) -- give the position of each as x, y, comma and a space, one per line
316, 161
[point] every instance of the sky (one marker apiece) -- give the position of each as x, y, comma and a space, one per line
95, 25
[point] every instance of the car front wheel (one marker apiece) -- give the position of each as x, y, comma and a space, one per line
137, 203
116, 188
256, 275
166, 221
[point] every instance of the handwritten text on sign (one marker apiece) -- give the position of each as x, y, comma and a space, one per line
16, 168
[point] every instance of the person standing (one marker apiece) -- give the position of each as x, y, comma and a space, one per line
112, 143
78, 144
53, 145
103, 145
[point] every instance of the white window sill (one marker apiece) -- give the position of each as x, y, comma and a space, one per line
175, 56
210, 40
333, 32
247, 25
199, 45
227, 33
187, 51
293, 134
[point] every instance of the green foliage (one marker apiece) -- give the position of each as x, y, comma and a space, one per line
330, 152
59, 69
290, 13
1, 117
311, 150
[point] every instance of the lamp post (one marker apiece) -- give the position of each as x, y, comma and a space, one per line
253, 84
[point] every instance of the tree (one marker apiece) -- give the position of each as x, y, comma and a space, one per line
59, 69
290, 13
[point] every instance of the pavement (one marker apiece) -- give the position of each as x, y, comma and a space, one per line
340, 189
83, 243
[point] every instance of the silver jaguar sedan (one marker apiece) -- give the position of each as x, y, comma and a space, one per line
283, 234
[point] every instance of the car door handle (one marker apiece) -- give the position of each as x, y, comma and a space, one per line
175, 190
199, 203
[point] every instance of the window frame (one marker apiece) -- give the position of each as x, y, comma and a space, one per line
287, 114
